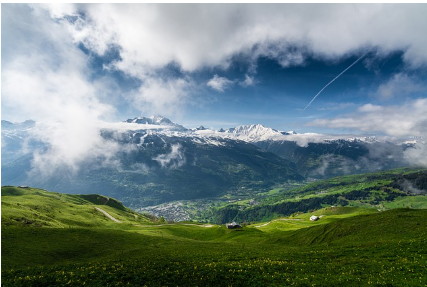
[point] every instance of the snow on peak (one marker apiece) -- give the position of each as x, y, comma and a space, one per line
6, 125
155, 120
255, 132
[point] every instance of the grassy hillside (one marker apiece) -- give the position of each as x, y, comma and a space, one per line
381, 190
36, 207
67, 243
366, 229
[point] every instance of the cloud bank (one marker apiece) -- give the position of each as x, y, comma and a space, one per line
198, 35
45, 77
398, 121
407, 121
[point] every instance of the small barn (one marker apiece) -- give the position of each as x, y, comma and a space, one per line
233, 225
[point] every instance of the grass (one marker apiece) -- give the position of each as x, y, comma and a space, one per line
419, 202
299, 221
36, 207
380, 190
348, 246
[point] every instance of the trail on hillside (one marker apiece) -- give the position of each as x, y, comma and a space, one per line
107, 214
189, 224
287, 219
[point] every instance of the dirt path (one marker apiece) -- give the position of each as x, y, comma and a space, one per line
200, 225
156, 225
107, 214
286, 219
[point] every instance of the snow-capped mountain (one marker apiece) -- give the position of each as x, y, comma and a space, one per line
248, 133
6, 125
253, 133
154, 160
315, 155
15, 139
150, 153
156, 120
149, 166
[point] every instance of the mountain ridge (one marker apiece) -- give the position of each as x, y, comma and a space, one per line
155, 165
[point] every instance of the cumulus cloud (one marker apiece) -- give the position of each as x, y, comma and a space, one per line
409, 119
219, 84
198, 35
162, 96
45, 77
372, 157
368, 108
398, 86
249, 81
192, 37
286, 53
69, 146
417, 155
152, 37
172, 160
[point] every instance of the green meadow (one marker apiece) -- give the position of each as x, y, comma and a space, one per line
396, 188
52, 239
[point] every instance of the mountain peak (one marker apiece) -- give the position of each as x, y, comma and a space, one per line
254, 132
155, 120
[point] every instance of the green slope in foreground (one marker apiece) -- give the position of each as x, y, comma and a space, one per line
65, 241
39, 208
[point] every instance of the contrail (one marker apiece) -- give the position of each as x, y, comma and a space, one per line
335, 79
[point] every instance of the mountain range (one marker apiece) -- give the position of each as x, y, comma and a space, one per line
159, 161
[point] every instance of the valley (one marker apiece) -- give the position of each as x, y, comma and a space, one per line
145, 162
53, 238
155, 213
405, 188
204, 144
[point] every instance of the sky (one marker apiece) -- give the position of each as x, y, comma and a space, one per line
217, 65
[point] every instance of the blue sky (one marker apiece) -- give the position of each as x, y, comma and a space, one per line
218, 65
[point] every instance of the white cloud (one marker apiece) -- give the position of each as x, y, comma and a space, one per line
409, 119
45, 77
191, 37
59, 10
417, 155
219, 84
172, 160
399, 85
249, 81
160, 96
368, 108
69, 146
200, 35
152, 37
